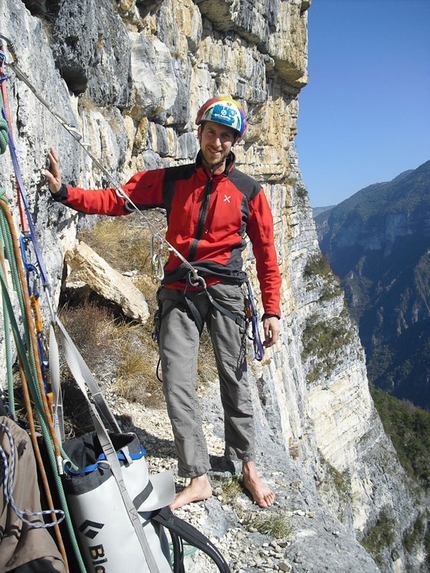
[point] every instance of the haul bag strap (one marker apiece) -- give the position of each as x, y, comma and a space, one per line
191, 535
112, 459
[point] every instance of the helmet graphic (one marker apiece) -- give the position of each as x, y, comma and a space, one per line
224, 110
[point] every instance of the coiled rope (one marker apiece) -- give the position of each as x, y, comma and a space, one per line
8, 482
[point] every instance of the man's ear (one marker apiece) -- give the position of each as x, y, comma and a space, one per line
199, 133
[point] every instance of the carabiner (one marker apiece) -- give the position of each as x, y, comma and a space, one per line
156, 257
195, 280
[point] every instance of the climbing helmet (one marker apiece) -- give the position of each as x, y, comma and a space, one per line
224, 110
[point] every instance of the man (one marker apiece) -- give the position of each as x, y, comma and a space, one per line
210, 205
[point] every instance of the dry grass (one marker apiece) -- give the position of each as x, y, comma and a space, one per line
116, 350
272, 523
124, 242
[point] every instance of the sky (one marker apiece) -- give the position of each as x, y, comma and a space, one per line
364, 116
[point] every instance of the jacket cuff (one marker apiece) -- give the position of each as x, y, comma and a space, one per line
270, 315
61, 195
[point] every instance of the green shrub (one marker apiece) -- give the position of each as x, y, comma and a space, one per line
380, 536
324, 342
318, 266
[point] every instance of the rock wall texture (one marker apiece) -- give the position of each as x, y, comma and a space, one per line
130, 75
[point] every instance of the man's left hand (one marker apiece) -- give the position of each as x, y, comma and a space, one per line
272, 330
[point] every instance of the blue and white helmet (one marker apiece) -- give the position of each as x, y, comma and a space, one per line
223, 110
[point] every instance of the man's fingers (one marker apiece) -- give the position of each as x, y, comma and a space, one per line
53, 174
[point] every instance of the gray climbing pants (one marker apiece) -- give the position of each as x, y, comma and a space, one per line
179, 347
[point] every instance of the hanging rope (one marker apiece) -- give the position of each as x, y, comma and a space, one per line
194, 276
28, 364
30, 377
4, 137
30, 360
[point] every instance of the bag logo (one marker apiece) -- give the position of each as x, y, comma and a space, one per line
90, 528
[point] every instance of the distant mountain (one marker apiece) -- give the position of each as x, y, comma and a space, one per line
318, 210
378, 243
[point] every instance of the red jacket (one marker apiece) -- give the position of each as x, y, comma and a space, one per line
208, 216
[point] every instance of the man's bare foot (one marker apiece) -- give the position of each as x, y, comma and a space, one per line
261, 493
198, 489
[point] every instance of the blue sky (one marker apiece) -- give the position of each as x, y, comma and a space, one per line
365, 114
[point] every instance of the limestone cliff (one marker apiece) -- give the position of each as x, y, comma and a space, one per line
129, 75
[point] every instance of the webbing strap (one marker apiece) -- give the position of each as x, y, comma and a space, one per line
80, 372
57, 395
84, 377
241, 322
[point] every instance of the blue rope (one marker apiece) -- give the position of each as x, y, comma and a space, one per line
20, 182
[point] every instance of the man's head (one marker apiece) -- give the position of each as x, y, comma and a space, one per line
221, 122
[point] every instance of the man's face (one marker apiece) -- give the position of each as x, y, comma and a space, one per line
216, 141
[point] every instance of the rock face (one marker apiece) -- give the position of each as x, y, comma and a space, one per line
130, 76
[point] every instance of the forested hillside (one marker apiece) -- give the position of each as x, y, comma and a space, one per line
378, 243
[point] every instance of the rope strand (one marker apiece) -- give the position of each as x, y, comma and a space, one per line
8, 481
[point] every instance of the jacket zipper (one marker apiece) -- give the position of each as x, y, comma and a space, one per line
202, 218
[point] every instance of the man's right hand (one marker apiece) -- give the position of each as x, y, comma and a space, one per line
53, 175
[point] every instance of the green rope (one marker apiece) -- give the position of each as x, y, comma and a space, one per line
4, 135
6, 323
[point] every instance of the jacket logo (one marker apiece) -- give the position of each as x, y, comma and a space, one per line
227, 198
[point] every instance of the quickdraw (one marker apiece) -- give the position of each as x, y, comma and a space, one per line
157, 256
251, 312
32, 286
